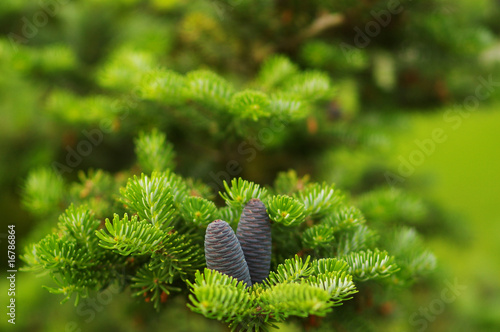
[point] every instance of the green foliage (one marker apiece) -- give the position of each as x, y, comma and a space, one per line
68, 107
130, 237
153, 152
288, 182
72, 257
275, 71
134, 82
311, 85
79, 224
287, 106
392, 205
124, 69
240, 192
339, 285
181, 255
163, 85
345, 218
366, 265
319, 236
324, 265
198, 210
93, 190
358, 238
297, 288
301, 300
150, 198
286, 210
56, 253
209, 89
320, 54
250, 104
158, 251
292, 270
43, 191
156, 291
319, 199
211, 84
410, 252
218, 296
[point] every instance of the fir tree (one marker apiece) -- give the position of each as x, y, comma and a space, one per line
323, 249
266, 91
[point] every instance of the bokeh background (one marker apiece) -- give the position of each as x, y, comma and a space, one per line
402, 71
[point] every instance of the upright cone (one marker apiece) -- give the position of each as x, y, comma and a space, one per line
223, 252
254, 234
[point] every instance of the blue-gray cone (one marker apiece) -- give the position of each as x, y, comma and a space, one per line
254, 234
223, 252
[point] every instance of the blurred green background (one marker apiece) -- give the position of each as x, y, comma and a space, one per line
463, 176
396, 90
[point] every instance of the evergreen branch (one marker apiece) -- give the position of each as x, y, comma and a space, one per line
153, 152
329, 265
241, 192
219, 296
286, 210
249, 104
338, 284
179, 255
211, 277
130, 237
294, 299
150, 198
410, 253
176, 185
198, 211
125, 68
55, 252
275, 70
419, 264
318, 236
208, 89
346, 218
70, 284
71, 266
153, 284
165, 86
95, 189
79, 224
287, 106
370, 265
319, 199
82, 280
42, 191
392, 205
74, 109
356, 239
309, 85
292, 270
32, 260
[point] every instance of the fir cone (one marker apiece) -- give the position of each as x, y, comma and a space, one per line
223, 252
254, 233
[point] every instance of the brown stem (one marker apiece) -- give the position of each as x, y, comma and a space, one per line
323, 22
